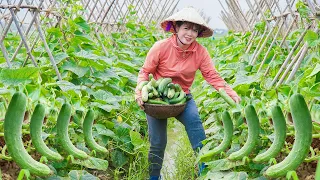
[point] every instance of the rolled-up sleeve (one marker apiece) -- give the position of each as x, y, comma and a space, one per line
149, 66
212, 76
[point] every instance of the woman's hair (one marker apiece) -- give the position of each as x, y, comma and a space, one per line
190, 25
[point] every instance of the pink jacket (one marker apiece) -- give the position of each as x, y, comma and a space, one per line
167, 59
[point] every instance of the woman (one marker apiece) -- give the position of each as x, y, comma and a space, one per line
179, 57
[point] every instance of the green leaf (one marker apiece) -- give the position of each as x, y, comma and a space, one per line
223, 164
136, 139
227, 175
23, 75
76, 69
86, 55
315, 71
118, 158
55, 31
311, 38
60, 57
80, 22
102, 130
93, 163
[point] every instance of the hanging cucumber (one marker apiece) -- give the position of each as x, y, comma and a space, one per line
303, 138
228, 132
35, 133
253, 134
87, 131
13, 133
62, 133
226, 97
279, 124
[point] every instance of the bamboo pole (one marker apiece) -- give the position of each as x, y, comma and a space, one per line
298, 63
27, 31
255, 57
271, 46
255, 32
289, 57
15, 20
53, 63
301, 52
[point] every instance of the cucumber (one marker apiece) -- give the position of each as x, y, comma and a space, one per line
158, 82
303, 138
144, 93
62, 133
155, 92
171, 93
176, 94
177, 87
226, 97
87, 131
171, 86
164, 84
279, 124
152, 101
13, 137
150, 95
150, 76
165, 92
141, 84
184, 100
35, 133
228, 132
253, 134
179, 98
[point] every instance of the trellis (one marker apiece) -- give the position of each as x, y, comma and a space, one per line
29, 20
279, 24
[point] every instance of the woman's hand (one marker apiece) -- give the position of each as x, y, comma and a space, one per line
236, 99
140, 103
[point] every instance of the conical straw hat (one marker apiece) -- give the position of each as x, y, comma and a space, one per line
187, 14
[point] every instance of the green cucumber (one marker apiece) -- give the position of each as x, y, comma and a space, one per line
176, 94
226, 97
87, 131
62, 133
253, 134
163, 84
171, 93
141, 84
144, 93
179, 98
177, 87
150, 95
152, 101
158, 82
228, 132
184, 100
303, 138
13, 137
35, 133
280, 126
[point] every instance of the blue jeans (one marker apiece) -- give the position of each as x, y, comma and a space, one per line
158, 134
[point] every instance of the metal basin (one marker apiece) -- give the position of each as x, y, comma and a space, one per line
161, 111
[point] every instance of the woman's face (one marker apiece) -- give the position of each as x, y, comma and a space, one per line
187, 33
